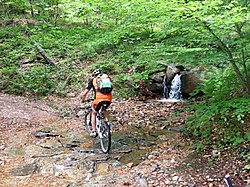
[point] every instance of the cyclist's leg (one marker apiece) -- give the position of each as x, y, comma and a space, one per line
93, 119
96, 105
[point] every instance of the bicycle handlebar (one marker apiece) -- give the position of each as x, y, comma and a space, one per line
86, 107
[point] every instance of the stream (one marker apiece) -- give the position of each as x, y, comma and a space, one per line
76, 156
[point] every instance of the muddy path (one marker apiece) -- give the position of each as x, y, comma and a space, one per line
43, 143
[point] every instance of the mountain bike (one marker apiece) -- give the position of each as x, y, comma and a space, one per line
102, 125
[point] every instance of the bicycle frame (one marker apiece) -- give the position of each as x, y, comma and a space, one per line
102, 126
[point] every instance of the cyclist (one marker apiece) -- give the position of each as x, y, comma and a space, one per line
99, 98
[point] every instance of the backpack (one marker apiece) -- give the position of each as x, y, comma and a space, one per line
104, 84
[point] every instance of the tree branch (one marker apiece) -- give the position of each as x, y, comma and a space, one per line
244, 54
227, 51
48, 59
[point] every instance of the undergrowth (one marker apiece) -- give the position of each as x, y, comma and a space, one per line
223, 118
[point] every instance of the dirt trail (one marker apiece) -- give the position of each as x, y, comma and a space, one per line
168, 163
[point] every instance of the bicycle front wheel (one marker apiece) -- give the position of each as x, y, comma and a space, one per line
87, 122
105, 137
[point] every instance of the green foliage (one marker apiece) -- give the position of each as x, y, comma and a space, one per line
40, 80
133, 34
220, 122
223, 118
221, 84
35, 81
8, 8
247, 167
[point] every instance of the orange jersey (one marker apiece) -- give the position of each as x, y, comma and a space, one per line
100, 96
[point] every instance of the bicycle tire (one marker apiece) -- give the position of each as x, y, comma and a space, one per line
87, 122
106, 137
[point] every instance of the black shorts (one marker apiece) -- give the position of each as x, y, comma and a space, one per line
104, 104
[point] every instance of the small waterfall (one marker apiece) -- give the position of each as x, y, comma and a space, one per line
174, 94
175, 90
165, 88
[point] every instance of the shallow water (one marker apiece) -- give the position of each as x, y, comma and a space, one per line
133, 146
171, 100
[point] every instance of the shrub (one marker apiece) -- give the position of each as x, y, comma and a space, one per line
223, 118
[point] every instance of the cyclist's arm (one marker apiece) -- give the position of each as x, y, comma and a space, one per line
87, 89
84, 94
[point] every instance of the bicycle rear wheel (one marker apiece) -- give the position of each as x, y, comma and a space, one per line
105, 137
87, 122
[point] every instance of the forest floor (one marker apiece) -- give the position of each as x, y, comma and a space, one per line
171, 161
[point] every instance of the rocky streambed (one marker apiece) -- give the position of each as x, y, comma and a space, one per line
43, 143
67, 157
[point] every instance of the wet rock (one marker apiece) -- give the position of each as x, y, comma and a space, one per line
15, 151
99, 158
74, 166
50, 152
72, 139
25, 170
84, 150
189, 82
59, 169
158, 77
171, 71
51, 144
72, 144
178, 128
33, 150
43, 134
46, 165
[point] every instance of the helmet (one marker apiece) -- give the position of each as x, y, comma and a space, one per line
96, 72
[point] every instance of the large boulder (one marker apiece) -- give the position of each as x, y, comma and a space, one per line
189, 82
158, 77
192, 78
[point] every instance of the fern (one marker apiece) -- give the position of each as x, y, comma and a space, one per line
224, 117
221, 123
